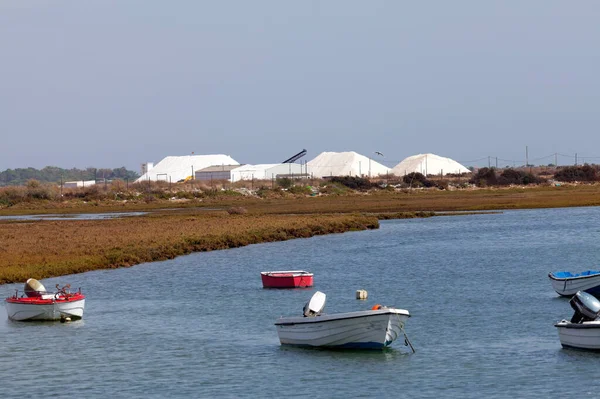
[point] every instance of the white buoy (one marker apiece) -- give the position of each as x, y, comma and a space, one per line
361, 294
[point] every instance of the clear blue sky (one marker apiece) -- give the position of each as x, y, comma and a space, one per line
110, 83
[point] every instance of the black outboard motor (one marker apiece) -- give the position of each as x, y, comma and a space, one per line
586, 306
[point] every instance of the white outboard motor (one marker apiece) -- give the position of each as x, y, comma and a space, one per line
34, 288
315, 306
586, 307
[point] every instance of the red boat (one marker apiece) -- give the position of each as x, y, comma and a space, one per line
287, 279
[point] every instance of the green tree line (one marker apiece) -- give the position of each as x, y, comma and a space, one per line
53, 174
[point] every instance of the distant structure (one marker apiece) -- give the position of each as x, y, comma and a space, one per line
268, 171
428, 164
218, 172
146, 167
295, 157
350, 163
181, 168
79, 183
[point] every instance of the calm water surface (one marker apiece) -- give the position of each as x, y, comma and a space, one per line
74, 216
202, 325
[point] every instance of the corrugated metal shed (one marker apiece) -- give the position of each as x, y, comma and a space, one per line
222, 172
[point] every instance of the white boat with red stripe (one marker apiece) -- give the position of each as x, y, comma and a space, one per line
35, 303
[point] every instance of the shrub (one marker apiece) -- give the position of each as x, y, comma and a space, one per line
576, 173
512, 176
237, 210
36, 190
305, 190
484, 177
12, 195
184, 195
416, 179
284, 182
266, 192
355, 183
442, 184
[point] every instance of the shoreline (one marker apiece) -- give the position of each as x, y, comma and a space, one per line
51, 248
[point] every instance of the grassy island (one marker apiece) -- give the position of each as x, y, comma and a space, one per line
178, 225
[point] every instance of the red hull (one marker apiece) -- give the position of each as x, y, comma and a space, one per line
287, 279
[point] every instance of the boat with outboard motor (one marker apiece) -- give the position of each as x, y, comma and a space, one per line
583, 330
38, 304
567, 283
367, 329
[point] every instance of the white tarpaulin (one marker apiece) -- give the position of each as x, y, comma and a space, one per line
345, 164
428, 164
176, 168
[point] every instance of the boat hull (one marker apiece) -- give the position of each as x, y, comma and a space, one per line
287, 279
371, 329
44, 310
568, 286
584, 335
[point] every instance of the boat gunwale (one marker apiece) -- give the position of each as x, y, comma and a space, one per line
552, 277
38, 301
340, 316
287, 273
578, 326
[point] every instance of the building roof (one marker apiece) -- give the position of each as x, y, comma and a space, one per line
219, 168
176, 168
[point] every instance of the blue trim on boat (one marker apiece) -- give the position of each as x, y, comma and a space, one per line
569, 275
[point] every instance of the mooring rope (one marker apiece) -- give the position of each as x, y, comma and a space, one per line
406, 340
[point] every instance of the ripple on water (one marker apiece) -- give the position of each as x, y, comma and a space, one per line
202, 326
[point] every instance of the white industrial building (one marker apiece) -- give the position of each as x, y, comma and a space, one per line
428, 164
79, 183
178, 168
345, 164
268, 171
219, 172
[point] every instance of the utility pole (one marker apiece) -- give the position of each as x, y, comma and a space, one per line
555, 160
526, 156
575, 159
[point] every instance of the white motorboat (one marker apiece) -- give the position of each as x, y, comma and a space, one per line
38, 304
583, 330
567, 283
368, 329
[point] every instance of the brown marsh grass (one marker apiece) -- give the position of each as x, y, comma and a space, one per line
44, 249
53, 248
